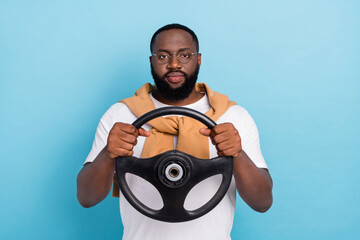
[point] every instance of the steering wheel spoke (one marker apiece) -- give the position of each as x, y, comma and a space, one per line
142, 167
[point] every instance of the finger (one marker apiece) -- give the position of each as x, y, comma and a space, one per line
120, 139
143, 132
126, 137
220, 154
125, 146
229, 133
220, 138
220, 128
228, 152
119, 152
224, 146
205, 131
226, 136
117, 142
127, 128
231, 152
229, 148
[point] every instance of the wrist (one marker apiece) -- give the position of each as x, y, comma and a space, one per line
107, 156
241, 157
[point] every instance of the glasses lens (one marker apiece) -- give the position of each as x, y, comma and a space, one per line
162, 57
184, 56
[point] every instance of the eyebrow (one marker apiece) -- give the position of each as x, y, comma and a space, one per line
165, 50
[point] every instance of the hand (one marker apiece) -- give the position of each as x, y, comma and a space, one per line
226, 139
122, 139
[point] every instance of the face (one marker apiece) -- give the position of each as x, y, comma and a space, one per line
175, 80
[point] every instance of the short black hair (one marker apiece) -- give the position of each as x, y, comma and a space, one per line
175, 26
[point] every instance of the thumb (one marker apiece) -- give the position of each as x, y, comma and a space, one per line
143, 132
205, 131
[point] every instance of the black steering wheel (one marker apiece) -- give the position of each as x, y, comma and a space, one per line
174, 173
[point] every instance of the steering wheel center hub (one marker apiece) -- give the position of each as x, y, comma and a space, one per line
174, 170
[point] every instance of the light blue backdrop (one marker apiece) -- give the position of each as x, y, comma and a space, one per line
294, 65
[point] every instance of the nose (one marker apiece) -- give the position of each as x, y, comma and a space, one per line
174, 63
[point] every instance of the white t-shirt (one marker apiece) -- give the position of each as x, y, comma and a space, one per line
215, 225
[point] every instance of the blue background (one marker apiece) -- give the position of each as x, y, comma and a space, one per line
294, 65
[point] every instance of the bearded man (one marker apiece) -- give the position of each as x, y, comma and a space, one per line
175, 62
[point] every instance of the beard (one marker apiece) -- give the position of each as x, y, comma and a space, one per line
175, 94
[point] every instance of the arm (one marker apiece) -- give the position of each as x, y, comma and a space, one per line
253, 184
95, 179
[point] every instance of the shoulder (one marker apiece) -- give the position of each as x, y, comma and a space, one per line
240, 118
235, 112
118, 112
118, 107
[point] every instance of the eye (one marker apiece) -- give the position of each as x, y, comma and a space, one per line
184, 55
162, 56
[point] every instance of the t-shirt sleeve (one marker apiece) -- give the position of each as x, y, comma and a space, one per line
248, 131
101, 135
118, 112
251, 143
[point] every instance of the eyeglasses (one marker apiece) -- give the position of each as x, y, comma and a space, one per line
184, 57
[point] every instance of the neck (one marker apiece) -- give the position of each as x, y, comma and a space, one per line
193, 97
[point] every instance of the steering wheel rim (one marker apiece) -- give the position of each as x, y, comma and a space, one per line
175, 111
152, 170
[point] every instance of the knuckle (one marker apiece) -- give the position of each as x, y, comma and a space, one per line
111, 132
129, 139
219, 146
132, 139
123, 152
111, 139
125, 146
110, 149
216, 129
131, 128
117, 125
227, 152
131, 147
235, 132
219, 153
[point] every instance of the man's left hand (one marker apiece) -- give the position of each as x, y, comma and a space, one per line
226, 139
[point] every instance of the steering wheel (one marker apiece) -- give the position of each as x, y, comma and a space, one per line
174, 173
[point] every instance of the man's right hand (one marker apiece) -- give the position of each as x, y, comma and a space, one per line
95, 179
122, 139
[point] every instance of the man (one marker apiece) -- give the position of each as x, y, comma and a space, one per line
175, 63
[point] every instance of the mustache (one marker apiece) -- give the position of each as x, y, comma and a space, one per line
172, 71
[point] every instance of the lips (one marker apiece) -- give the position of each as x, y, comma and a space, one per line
175, 77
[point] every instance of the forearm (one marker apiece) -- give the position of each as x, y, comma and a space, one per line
95, 179
253, 184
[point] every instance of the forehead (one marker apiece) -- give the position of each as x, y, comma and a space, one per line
173, 40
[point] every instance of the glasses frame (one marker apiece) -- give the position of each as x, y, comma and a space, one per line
172, 55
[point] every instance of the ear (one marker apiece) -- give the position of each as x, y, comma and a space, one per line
199, 59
